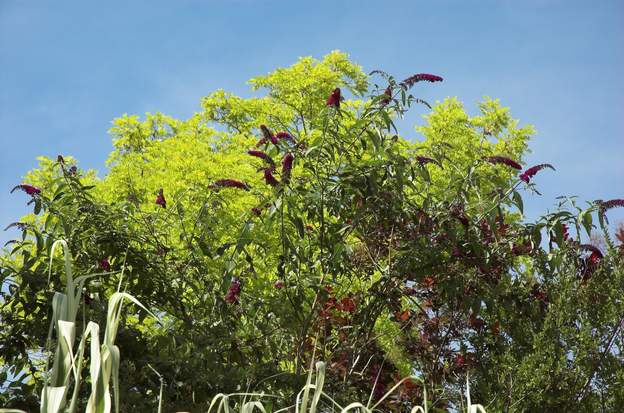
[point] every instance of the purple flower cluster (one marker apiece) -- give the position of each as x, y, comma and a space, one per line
160, 199
412, 80
232, 295
287, 163
285, 135
258, 154
612, 203
530, 173
262, 155
230, 183
334, 99
589, 264
269, 178
268, 136
503, 160
595, 251
105, 265
29, 189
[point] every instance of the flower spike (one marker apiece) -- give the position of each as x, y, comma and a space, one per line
29, 189
335, 98
412, 80
503, 160
230, 183
160, 199
530, 173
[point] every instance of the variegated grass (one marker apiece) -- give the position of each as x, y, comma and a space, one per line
67, 365
309, 399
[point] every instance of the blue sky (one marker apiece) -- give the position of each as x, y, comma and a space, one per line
67, 68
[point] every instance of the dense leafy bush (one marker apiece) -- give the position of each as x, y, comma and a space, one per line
325, 235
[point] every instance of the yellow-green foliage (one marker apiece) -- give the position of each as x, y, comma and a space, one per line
451, 134
387, 334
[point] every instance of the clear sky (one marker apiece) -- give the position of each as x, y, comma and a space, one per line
67, 68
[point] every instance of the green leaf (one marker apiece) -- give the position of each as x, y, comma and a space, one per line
586, 221
518, 202
245, 237
219, 252
298, 223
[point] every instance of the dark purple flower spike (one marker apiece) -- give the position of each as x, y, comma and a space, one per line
287, 163
412, 80
230, 183
503, 160
29, 189
530, 173
269, 178
335, 98
160, 199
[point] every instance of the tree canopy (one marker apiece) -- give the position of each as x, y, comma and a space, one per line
301, 225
